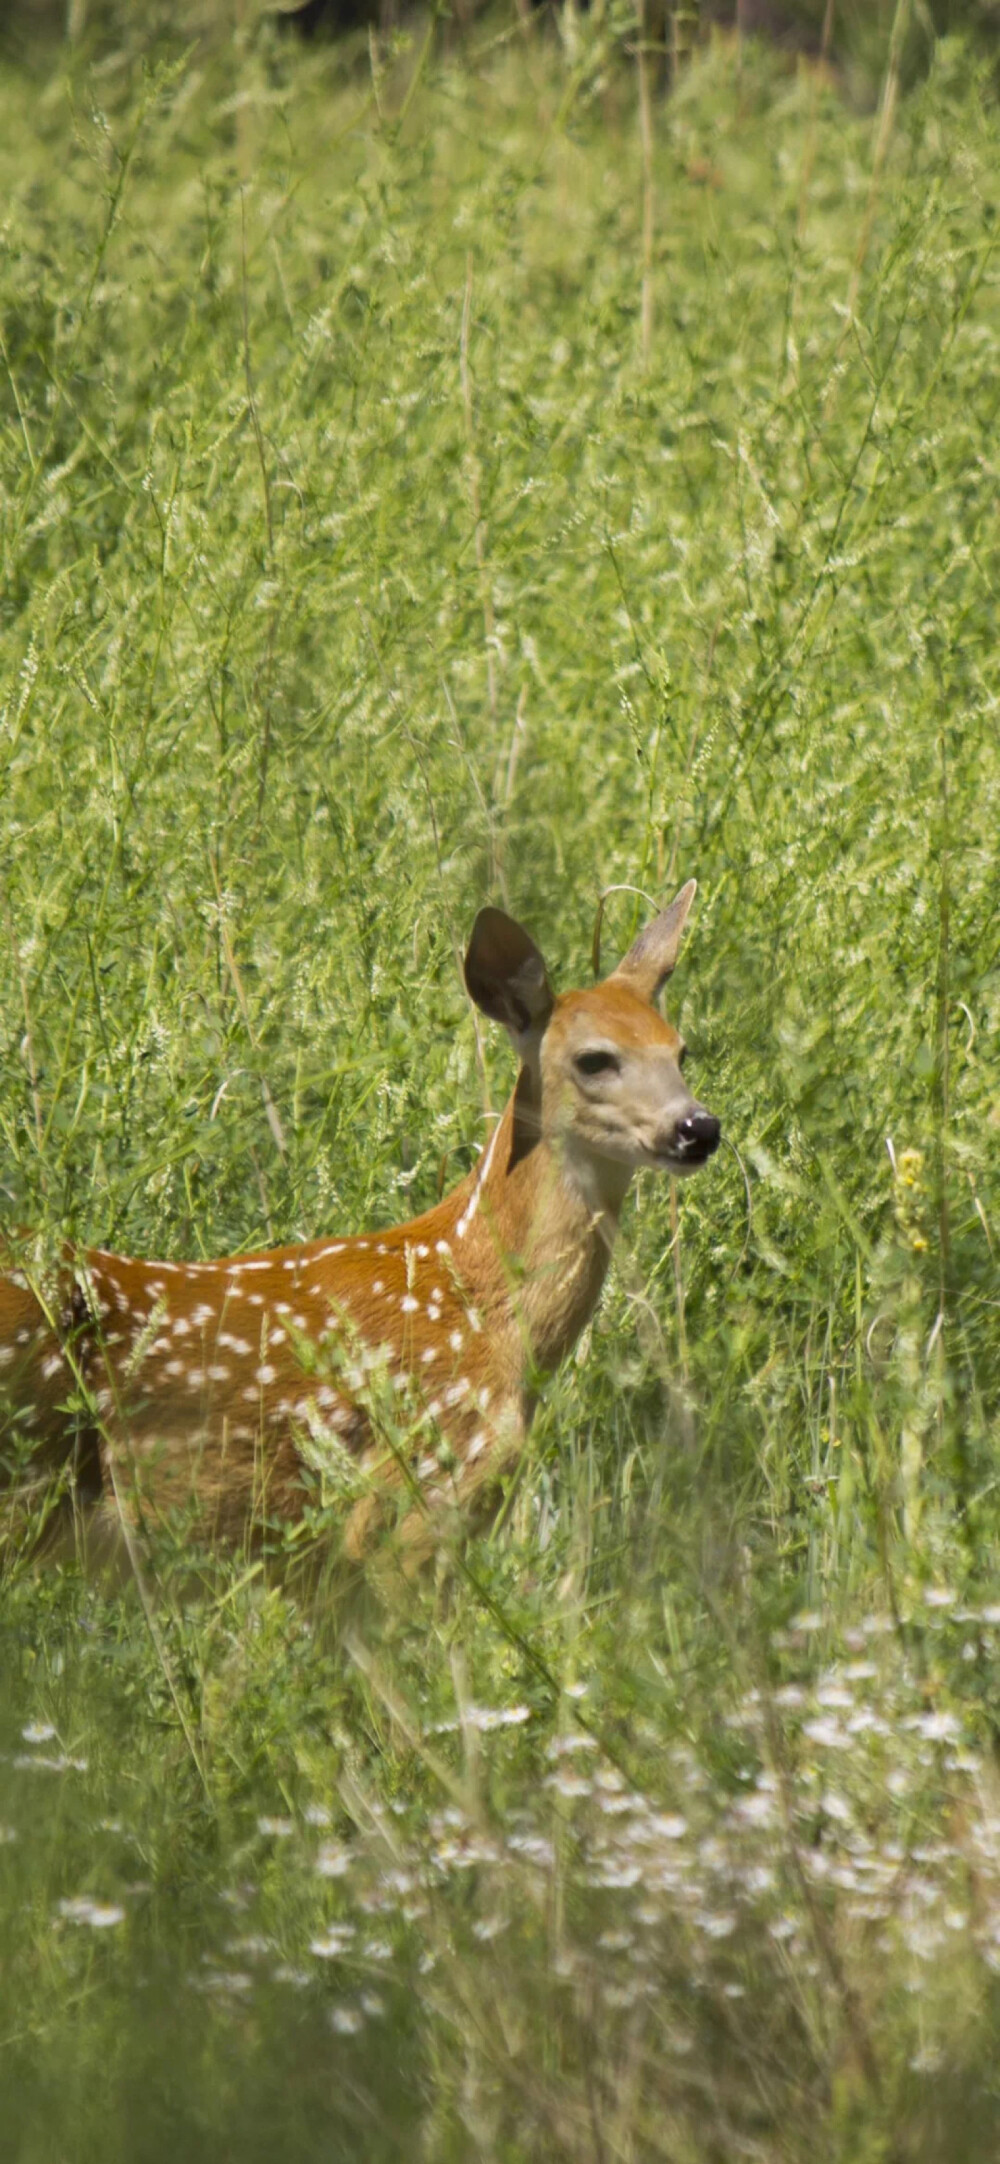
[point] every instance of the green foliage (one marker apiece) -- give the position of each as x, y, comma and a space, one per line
856, 34
357, 566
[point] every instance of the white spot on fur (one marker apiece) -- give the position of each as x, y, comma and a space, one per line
441, 1247
408, 1304
218, 1374
182, 1327
457, 1391
266, 1374
477, 1446
428, 1355
52, 1365
195, 1378
203, 1314
456, 1341
174, 1367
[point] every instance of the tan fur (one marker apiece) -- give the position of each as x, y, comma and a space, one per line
223, 1383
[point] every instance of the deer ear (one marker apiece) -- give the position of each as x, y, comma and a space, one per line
506, 976
648, 964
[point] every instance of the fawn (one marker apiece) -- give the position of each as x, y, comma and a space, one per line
229, 1383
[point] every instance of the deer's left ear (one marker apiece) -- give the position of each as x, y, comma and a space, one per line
506, 976
651, 960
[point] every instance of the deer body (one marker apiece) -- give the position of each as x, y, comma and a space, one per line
232, 1382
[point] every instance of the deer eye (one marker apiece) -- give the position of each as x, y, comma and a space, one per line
597, 1063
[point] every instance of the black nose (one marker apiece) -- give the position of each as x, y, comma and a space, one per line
698, 1134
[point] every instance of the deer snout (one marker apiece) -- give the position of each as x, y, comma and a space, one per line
696, 1136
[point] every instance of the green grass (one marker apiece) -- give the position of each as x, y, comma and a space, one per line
357, 566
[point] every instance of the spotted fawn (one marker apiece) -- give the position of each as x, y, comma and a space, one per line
406, 1360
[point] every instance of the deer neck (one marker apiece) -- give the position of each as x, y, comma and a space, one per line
533, 1235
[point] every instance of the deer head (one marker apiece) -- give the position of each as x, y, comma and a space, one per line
601, 1077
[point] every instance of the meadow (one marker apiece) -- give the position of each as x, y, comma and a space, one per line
421, 482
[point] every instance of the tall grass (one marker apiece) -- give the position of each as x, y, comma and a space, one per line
368, 549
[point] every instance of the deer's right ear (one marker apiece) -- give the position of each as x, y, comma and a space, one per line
651, 960
506, 976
